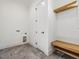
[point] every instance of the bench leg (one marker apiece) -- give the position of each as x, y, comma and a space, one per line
61, 54
58, 53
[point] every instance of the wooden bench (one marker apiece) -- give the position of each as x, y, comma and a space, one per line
67, 48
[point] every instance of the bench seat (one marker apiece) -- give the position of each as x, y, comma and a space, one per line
67, 48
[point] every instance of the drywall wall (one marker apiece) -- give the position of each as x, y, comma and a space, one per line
68, 25
39, 25
52, 24
13, 16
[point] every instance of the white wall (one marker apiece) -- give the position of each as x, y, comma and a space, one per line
13, 16
68, 24
52, 24
63, 26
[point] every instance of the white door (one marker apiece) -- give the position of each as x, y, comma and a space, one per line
34, 26
42, 26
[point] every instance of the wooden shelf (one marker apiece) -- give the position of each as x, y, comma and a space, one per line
67, 48
66, 7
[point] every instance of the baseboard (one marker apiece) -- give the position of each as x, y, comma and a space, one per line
50, 52
13, 45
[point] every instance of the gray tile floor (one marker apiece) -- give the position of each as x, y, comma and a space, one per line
25, 52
